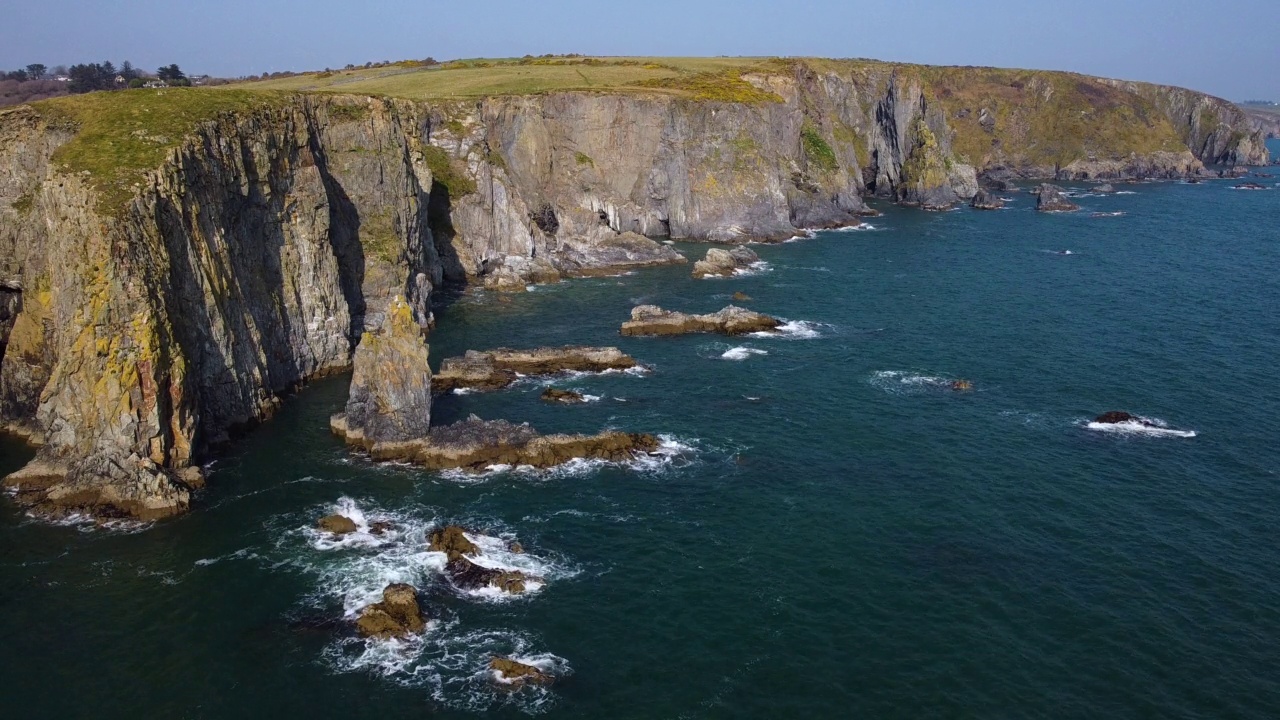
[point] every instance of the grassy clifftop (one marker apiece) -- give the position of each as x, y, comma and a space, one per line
692, 77
119, 136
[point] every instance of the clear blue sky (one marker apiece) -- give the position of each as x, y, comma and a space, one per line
1227, 47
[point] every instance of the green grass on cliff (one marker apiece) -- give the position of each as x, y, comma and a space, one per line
698, 78
120, 136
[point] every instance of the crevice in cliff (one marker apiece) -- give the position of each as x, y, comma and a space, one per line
10, 306
440, 222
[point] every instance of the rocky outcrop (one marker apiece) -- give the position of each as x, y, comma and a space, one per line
476, 444
562, 397
150, 312
732, 320
1049, 198
494, 369
390, 397
451, 540
337, 524
397, 616
466, 574
986, 200
1216, 131
1105, 189
513, 674
722, 263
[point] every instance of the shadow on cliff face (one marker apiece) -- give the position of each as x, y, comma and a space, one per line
344, 238
440, 221
10, 306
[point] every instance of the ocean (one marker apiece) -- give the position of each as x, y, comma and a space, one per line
831, 531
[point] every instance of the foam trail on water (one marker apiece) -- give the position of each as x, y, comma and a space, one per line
1152, 427
742, 353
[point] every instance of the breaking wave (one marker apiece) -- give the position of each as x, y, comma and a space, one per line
1152, 427
794, 330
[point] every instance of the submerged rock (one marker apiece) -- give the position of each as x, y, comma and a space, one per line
732, 320
397, 616
722, 263
1116, 416
513, 674
985, 200
337, 524
741, 297
1050, 199
1250, 186
1106, 189
564, 397
494, 369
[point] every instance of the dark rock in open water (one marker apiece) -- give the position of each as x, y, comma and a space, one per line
397, 616
1050, 199
985, 200
732, 320
494, 369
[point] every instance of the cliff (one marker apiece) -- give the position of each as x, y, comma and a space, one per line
173, 261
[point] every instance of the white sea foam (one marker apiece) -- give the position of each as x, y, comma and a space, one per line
742, 352
464, 391
671, 453
902, 382
759, 267
1124, 192
804, 235
860, 227
1153, 427
793, 330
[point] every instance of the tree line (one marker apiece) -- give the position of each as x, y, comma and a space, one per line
87, 77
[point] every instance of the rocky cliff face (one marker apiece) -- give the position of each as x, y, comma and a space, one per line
136, 337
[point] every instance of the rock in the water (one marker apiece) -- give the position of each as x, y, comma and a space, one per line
722, 263
985, 200
1106, 188
1051, 199
380, 527
494, 369
512, 674
337, 524
452, 541
477, 444
390, 397
741, 297
397, 616
469, 575
566, 397
1250, 186
1116, 416
732, 320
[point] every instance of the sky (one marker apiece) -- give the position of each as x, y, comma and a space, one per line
1229, 48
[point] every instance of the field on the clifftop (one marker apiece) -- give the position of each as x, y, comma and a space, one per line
487, 77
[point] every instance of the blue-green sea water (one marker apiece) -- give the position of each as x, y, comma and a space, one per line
834, 532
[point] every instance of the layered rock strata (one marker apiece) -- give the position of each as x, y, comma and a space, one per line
476, 444
494, 369
389, 402
732, 320
150, 313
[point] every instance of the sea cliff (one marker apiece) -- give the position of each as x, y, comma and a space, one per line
173, 261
